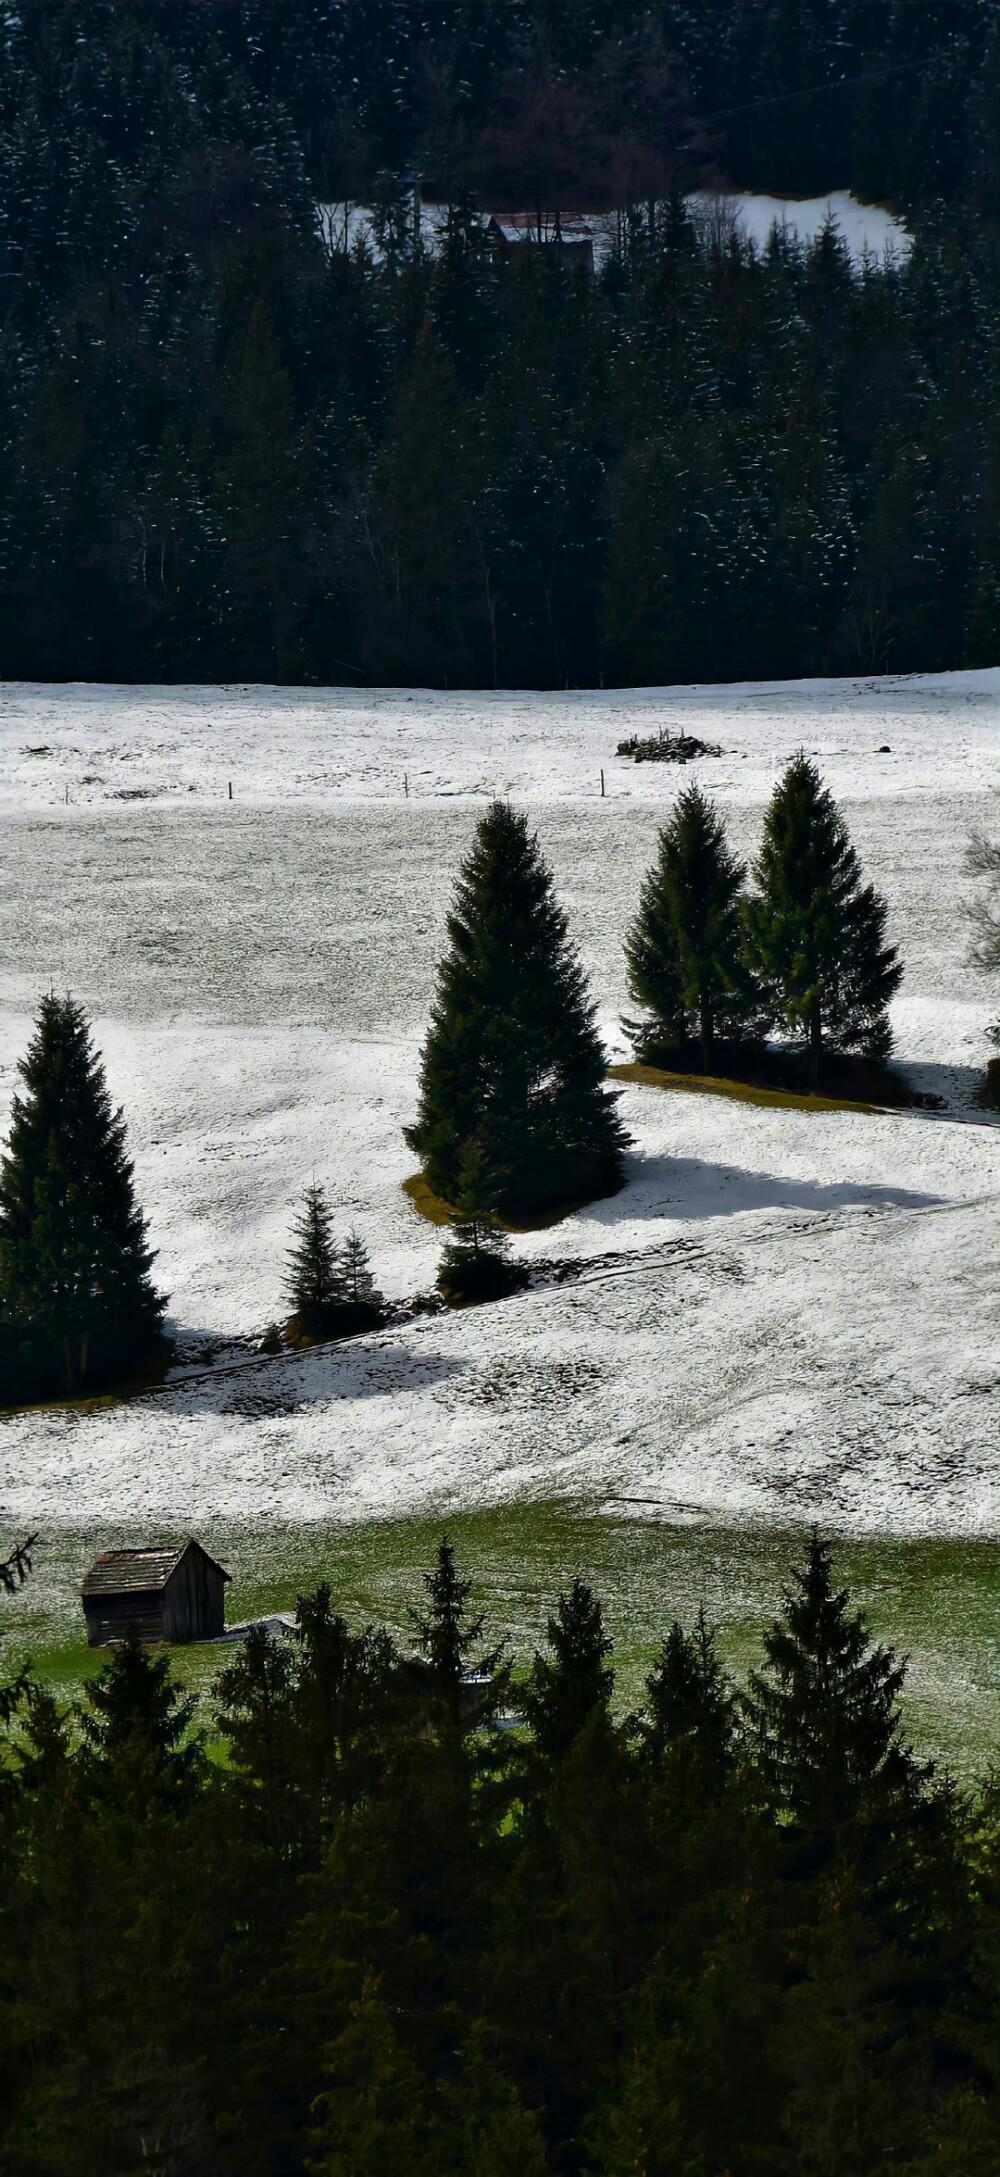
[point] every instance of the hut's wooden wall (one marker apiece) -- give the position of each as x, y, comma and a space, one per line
194, 1599
110, 1617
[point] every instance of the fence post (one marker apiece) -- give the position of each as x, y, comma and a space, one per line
230, 789
602, 786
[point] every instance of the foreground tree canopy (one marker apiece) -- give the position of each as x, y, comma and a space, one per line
513, 1064
233, 449
745, 1933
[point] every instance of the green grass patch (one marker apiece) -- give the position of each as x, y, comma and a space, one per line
936, 1600
739, 1092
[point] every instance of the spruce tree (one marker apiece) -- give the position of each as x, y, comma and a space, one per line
314, 1282
565, 1688
825, 1707
815, 933
365, 1305
74, 1262
446, 1636
512, 1056
685, 948
475, 1264
690, 1697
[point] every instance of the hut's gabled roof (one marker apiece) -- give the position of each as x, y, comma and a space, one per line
139, 1572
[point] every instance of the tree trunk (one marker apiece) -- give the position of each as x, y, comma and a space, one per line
707, 1038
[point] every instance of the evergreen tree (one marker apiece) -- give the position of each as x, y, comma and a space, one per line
512, 1056
315, 1281
359, 1284
136, 1725
475, 1264
567, 1686
74, 1263
445, 1639
685, 949
825, 1708
815, 933
689, 1697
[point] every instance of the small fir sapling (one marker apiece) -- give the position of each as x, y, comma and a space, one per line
75, 1283
314, 1281
475, 1264
685, 949
361, 1294
815, 934
512, 1056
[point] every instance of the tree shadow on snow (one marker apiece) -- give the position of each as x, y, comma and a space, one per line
684, 1187
263, 1388
957, 1086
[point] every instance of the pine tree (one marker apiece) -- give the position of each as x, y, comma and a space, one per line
815, 933
315, 1282
446, 1637
74, 1263
689, 1697
825, 1708
564, 1690
685, 949
360, 1289
136, 1724
475, 1264
512, 1056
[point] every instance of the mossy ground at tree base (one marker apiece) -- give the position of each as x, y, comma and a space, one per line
779, 1077
430, 1205
741, 1092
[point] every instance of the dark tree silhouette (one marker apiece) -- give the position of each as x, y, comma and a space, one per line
74, 1260
815, 933
512, 1058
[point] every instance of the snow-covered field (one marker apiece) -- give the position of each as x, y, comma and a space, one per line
782, 1315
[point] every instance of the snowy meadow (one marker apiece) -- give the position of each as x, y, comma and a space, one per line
784, 1316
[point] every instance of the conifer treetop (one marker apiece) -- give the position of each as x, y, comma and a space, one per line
825, 1707
74, 1257
512, 1056
815, 932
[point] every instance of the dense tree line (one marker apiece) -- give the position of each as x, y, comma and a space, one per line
742, 1932
228, 449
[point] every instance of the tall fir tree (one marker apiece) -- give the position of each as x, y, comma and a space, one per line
689, 1697
815, 933
574, 1679
512, 1056
314, 1281
825, 1707
685, 949
74, 1261
446, 1636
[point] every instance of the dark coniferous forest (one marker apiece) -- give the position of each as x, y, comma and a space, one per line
741, 1933
231, 448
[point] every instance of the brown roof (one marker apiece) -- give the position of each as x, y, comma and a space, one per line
139, 1572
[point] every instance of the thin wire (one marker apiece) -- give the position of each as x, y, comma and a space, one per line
817, 90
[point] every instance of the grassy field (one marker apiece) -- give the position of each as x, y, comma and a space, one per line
937, 1600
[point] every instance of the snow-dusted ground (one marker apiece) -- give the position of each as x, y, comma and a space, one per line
780, 1316
864, 228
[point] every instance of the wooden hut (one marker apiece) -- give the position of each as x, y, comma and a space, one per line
163, 1594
